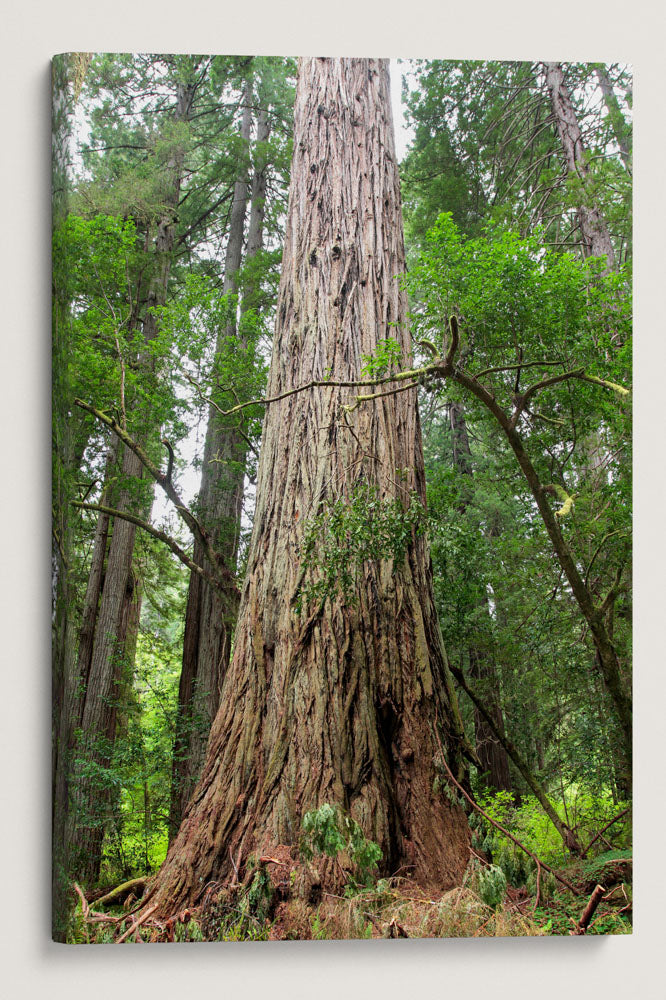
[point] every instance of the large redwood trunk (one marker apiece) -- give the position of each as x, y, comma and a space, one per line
338, 703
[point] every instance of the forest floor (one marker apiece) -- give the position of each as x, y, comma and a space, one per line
283, 898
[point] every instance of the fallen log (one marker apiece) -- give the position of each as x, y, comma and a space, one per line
122, 891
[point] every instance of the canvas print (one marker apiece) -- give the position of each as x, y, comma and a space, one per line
341, 498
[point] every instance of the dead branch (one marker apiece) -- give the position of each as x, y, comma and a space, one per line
588, 912
603, 829
161, 536
137, 923
161, 479
84, 904
497, 825
134, 883
395, 930
538, 887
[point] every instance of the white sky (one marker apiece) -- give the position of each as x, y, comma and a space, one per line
403, 135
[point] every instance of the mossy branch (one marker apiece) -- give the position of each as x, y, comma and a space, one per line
561, 494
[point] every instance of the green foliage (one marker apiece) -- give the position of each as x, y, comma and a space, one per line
492, 885
595, 866
330, 831
386, 359
527, 313
486, 148
587, 813
349, 531
259, 897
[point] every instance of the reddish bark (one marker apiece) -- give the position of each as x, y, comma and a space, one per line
338, 703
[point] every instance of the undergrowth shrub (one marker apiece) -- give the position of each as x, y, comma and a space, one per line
585, 812
492, 885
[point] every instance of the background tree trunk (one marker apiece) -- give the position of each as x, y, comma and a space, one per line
340, 702
108, 655
210, 614
593, 229
492, 755
62, 618
618, 124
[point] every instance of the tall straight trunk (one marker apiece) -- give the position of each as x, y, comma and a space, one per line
595, 237
109, 653
338, 702
96, 571
492, 755
210, 614
620, 130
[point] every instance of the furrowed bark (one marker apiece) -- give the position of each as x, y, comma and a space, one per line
595, 237
337, 703
63, 646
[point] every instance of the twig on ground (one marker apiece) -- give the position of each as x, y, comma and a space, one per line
538, 887
137, 923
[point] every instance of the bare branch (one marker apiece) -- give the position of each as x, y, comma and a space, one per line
184, 513
510, 368
156, 533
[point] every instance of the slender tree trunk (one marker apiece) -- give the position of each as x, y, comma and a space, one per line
492, 755
620, 130
594, 231
108, 656
339, 702
210, 614
96, 571
495, 771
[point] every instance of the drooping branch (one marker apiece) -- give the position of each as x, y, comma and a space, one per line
156, 533
593, 615
162, 480
607, 654
564, 831
477, 808
330, 383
